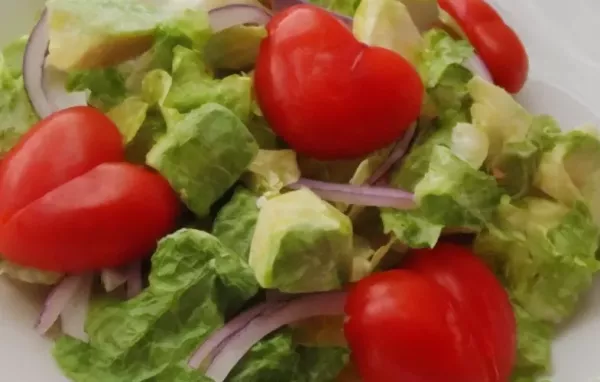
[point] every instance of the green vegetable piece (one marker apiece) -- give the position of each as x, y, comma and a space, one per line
236, 221
387, 24
570, 172
106, 87
193, 86
16, 113
272, 170
204, 155
344, 7
129, 117
195, 283
545, 252
234, 48
440, 52
28, 275
469, 144
452, 193
301, 244
102, 33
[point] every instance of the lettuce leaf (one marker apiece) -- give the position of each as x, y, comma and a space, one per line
301, 244
271, 171
193, 86
235, 223
388, 24
204, 155
344, 7
545, 252
106, 87
28, 275
195, 283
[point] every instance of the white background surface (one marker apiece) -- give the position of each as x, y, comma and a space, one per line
563, 43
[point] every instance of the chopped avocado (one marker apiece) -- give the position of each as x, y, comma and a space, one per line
203, 155
301, 244
100, 33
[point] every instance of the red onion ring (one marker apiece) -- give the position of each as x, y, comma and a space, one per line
400, 149
48, 96
280, 5
57, 300
240, 342
372, 196
74, 315
217, 339
134, 279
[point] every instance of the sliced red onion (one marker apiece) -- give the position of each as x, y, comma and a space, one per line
279, 5
73, 316
216, 340
237, 14
372, 196
134, 279
478, 67
400, 149
45, 89
321, 304
113, 278
57, 301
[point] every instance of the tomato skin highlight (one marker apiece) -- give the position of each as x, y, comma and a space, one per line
328, 95
497, 44
26, 173
69, 202
432, 321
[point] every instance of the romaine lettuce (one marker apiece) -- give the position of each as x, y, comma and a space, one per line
204, 155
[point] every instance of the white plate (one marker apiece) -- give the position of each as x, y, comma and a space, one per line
565, 60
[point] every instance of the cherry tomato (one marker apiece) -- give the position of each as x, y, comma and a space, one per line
444, 318
68, 202
328, 95
496, 43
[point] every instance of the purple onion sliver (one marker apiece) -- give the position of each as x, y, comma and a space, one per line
237, 14
216, 339
280, 5
33, 67
113, 278
134, 279
371, 196
57, 300
478, 67
398, 152
73, 316
320, 304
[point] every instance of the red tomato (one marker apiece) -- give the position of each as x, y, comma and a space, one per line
496, 43
64, 208
445, 318
328, 95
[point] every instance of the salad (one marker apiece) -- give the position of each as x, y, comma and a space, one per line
291, 191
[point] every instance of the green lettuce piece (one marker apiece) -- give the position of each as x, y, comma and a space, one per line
193, 86
469, 144
279, 359
301, 244
195, 283
453, 193
235, 222
344, 7
411, 227
204, 155
129, 116
101, 33
388, 24
13, 56
16, 113
28, 275
271, 171
570, 172
441, 52
517, 139
106, 87
234, 48
534, 342
545, 252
